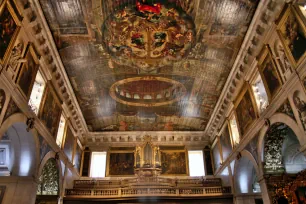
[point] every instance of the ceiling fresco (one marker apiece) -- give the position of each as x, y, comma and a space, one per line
148, 65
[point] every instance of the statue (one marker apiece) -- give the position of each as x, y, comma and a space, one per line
301, 108
16, 56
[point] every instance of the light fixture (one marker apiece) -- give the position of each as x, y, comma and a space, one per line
305, 6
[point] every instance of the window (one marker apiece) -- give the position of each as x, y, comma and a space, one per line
260, 94
196, 163
234, 131
60, 131
98, 164
37, 92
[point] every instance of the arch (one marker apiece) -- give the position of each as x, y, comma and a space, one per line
3, 98
277, 118
47, 157
293, 159
49, 179
244, 173
24, 151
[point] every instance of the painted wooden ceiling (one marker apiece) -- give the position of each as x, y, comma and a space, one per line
148, 65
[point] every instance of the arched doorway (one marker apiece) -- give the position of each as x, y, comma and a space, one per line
18, 151
282, 160
281, 151
19, 160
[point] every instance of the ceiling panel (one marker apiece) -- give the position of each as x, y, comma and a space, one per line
151, 65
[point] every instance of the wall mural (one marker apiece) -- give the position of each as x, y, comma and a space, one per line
286, 109
120, 163
252, 147
69, 143
50, 112
174, 162
11, 109
246, 113
216, 156
292, 32
9, 29
44, 147
77, 156
28, 71
225, 141
189, 45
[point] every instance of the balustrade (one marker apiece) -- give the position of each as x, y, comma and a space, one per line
148, 191
144, 181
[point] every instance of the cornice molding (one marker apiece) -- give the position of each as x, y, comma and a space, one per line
51, 58
255, 128
132, 138
258, 29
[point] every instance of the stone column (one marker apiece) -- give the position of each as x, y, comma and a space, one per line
264, 190
19, 190
243, 199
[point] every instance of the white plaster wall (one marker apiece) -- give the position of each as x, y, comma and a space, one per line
19, 190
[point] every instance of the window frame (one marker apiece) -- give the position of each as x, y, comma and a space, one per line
91, 163
42, 93
202, 153
61, 146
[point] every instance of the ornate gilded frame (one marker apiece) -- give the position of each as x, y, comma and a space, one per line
226, 125
108, 161
233, 114
75, 146
247, 88
281, 23
17, 19
31, 51
216, 144
50, 88
186, 159
266, 54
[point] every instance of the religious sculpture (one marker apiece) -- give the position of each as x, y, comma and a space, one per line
301, 108
16, 56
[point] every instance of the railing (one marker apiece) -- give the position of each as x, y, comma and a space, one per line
145, 181
134, 192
